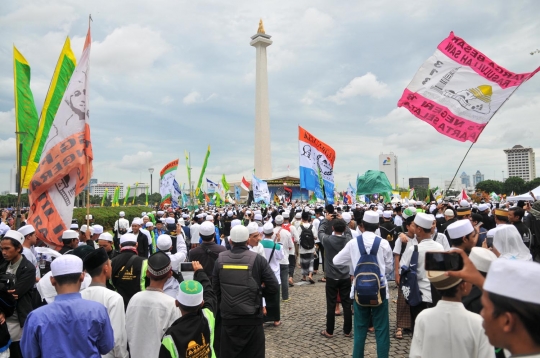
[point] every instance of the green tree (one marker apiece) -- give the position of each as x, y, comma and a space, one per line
533, 184
490, 186
513, 184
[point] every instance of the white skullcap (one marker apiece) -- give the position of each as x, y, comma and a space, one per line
160, 212
190, 293
182, 222
379, 212
169, 220
122, 214
239, 233
26, 230
449, 213
268, 228
209, 218
483, 207
84, 227
98, 229
74, 226
258, 212
235, 222
199, 216
285, 214
65, 265
143, 214
149, 224
482, 258
164, 242
207, 228
412, 202
424, 220
129, 237
464, 203
229, 213
69, 234
347, 217
248, 212
253, 228
279, 219
258, 217
106, 237
512, 279
432, 207
136, 221
459, 229
371, 217
387, 214
163, 220
15, 235
298, 215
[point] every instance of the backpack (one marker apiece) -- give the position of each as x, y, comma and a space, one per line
388, 234
307, 240
409, 281
369, 288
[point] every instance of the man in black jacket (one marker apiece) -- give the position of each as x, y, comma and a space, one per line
242, 333
70, 239
25, 279
143, 244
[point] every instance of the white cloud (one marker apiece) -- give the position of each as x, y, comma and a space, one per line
192, 97
366, 85
166, 100
7, 148
136, 161
7, 122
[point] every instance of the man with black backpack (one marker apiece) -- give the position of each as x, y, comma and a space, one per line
370, 286
208, 252
306, 238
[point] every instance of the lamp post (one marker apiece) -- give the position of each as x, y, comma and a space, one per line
151, 170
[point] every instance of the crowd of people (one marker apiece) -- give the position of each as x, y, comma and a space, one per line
205, 283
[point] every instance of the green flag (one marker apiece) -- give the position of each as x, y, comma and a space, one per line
146, 196
127, 195
225, 184
198, 190
26, 117
116, 197
61, 76
104, 196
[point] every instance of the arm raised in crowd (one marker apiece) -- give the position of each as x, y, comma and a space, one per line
209, 297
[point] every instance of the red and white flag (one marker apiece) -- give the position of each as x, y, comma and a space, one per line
65, 167
245, 184
463, 195
459, 89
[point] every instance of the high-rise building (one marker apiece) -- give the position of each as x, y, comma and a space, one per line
138, 189
389, 165
419, 182
477, 178
465, 179
520, 162
99, 189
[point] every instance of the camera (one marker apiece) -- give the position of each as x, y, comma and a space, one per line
7, 282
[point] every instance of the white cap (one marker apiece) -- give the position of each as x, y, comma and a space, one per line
412, 202
106, 237
279, 219
169, 221
512, 279
149, 224
464, 203
182, 222
258, 217
15, 235
190, 293
387, 214
424, 220
459, 229
408, 212
129, 237
483, 207
143, 213
371, 217
239, 233
26, 230
235, 222
122, 214
160, 212
229, 213
379, 212
74, 226
69, 234
207, 228
164, 242
98, 229
268, 228
83, 229
253, 228
482, 258
66, 264
136, 221
209, 218
285, 215
347, 217
449, 213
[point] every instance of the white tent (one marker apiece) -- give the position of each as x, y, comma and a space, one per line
526, 196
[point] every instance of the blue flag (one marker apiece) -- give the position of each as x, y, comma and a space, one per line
236, 193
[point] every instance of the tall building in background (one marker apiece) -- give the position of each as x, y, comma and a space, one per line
477, 178
419, 182
465, 180
138, 189
520, 162
388, 164
99, 189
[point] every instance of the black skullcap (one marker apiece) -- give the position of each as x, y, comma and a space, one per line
159, 264
82, 251
95, 258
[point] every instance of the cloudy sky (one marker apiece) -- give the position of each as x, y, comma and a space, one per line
170, 75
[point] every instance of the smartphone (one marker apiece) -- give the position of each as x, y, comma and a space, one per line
443, 261
186, 266
489, 241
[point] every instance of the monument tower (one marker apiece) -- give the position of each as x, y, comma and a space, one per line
263, 154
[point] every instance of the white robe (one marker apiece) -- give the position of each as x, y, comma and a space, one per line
114, 303
149, 314
449, 330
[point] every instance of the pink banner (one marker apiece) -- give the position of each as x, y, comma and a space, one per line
440, 117
460, 51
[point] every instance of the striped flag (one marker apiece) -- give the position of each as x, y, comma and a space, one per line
245, 184
166, 186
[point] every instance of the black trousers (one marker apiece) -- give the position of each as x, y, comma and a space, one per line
292, 265
344, 289
415, 311
242, 341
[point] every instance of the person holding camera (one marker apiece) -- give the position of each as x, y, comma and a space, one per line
22, 272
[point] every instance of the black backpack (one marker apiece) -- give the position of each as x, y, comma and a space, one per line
307, 240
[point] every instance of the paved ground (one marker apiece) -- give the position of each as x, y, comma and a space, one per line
304, 316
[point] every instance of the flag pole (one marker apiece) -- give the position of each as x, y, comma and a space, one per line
87, 233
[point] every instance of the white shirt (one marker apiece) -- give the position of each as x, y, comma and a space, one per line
449, 330
278, 255
399, 245
286, 242
148, 315
398, 220
350, 255
194, 231
114, 303
122, 224
32, 258
423, 281
301, 250
441, 239
258, 250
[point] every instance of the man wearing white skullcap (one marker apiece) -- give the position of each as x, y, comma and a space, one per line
274, 254
208, 251
70, 240
482, 259
144, 242
422, 228
29, 242
462, 235
45, 331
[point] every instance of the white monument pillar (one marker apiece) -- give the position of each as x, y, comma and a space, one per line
263, 153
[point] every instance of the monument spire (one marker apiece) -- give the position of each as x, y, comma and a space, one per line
263, 154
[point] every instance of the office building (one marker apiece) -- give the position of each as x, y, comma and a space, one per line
520, 162
477, 178
138, 189
419, 182
465, 180
99, 189
388, 164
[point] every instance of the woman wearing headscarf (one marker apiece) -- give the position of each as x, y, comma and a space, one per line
508, 244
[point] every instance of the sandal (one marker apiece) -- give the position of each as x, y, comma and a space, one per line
348, 335
322, 279
302, 279
324, 334
399, 333
277, 324
311, 280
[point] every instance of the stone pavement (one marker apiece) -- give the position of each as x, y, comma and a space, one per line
304, 316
